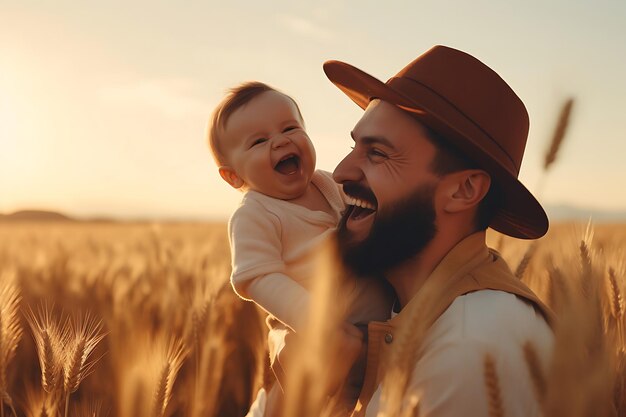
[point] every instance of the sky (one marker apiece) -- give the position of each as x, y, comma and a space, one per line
104, 105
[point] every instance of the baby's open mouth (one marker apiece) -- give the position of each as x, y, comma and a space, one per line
288, 164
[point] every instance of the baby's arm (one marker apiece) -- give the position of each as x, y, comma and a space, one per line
258, 268
282, 297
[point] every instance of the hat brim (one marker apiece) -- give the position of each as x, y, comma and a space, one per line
520, 215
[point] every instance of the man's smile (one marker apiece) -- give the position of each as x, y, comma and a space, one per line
360, 212
360, 209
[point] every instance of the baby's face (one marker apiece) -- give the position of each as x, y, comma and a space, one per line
267, 148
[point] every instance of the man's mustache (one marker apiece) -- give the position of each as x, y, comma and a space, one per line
356, 190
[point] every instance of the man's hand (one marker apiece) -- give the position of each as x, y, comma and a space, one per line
344, 352
348, 346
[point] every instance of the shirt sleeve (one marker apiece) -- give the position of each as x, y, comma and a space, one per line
256, 247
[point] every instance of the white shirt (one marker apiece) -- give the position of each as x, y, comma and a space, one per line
449, 377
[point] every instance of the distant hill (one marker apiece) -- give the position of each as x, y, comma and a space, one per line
570, 213
35, 215
556, 213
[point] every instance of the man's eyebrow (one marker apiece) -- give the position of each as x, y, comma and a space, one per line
372, 140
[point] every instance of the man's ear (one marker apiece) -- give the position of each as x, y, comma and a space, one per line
230, 176
465, 190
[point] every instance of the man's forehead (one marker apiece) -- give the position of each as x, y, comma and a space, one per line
384, 119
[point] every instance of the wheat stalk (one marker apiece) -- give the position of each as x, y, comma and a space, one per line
559, 289
35, 403
523, 265
88, 409
309, 376
492, 385
420, 315
199, 318
536, 373
10, 333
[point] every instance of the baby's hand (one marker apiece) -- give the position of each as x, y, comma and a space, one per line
347, 350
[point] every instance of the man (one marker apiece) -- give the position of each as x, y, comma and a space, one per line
435, 162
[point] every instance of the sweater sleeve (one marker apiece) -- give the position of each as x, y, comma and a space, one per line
282, 297
256, 247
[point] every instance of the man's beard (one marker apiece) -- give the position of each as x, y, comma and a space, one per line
396, 235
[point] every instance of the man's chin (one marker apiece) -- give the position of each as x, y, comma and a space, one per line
354, 234
370, 248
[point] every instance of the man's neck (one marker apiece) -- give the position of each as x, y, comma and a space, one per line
410, 276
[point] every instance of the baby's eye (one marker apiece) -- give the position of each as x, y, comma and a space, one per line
258, 141
289, 128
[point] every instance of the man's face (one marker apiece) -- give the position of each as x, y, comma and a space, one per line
390, 187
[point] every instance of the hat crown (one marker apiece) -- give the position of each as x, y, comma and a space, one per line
477, 92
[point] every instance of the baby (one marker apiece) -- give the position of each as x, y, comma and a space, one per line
288, 209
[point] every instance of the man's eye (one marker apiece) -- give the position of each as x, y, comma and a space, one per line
258, 141
375, 153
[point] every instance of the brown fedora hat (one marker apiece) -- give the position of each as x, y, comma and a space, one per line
467, 103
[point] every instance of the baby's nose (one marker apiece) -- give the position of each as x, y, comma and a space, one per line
279, 141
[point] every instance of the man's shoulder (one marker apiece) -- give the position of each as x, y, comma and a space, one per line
491, 317
481, 326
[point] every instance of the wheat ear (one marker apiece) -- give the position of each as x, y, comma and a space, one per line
46, 334
174, 358
559, 134
617, 301
585, 260
492, 385
86, 334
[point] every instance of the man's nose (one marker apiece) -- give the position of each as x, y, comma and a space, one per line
347, 170
279, 141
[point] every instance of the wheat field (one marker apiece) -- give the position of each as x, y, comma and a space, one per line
137, 319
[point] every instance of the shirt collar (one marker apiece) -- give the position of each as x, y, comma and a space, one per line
465, 256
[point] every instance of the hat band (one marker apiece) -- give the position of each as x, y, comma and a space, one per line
400, 84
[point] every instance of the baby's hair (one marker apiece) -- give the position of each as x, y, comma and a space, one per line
236, 98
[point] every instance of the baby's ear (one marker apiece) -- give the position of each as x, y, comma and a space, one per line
230, 176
